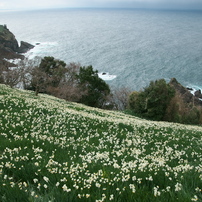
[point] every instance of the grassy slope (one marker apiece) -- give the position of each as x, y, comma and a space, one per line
1, 28
52, 150
6, 33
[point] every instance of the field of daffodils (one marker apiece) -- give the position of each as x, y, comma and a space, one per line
53, 150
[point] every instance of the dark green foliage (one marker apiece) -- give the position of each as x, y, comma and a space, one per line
48, 75
49, 64
182, 111
153, 101
166, 102
54, 70
97, 89
193, 117
69, 82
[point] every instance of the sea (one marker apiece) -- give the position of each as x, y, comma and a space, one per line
136, 45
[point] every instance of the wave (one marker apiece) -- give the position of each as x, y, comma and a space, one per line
41, 49
137, 46
194, 88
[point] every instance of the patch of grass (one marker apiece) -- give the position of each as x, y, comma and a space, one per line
1, 28
53, 150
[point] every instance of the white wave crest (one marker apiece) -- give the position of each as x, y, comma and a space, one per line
41, 49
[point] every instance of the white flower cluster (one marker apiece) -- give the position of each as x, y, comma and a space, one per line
49, 145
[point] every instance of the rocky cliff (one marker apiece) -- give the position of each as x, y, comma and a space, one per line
9, 48
185, 93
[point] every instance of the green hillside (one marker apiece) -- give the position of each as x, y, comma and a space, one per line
53, 150
1, 28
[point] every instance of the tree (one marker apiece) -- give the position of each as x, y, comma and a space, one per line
54, 69
69, 88
39, 80
118, 99
154, 100
11, 76
133, 101
48, 75
70, 82
26, 65
97, 89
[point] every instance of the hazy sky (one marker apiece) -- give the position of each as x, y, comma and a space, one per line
35, 4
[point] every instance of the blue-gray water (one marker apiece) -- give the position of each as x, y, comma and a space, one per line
136, 45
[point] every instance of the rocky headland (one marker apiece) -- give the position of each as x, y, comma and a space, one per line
186, 95
9, 47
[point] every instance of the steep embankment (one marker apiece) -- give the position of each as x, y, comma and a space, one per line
9, 48
53, 150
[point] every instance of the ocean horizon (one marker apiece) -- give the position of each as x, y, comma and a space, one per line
136, 45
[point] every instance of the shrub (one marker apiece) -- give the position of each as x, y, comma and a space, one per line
153, 101
97, 89
181, 112
184, 107
134, 101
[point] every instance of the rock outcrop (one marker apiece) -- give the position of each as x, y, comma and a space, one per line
198, 94
9, 48
24, 47
7, 39
186, 95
